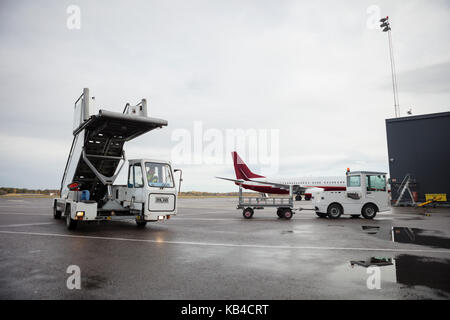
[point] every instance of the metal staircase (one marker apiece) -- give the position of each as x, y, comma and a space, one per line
404, 186
97, 148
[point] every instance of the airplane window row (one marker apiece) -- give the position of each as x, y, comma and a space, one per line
316, 182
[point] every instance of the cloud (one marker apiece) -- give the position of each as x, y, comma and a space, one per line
433, 79
313, 71
32, 162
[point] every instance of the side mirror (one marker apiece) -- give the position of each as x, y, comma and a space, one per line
181, 178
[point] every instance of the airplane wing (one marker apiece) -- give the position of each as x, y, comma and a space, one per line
295, 187
281, 185
240, 181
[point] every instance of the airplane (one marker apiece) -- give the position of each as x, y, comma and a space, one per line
300, 185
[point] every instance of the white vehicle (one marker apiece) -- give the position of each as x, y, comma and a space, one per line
87, 189
366, 194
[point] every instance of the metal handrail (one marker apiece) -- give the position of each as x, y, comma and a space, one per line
75, 104
67, 164
126, 107
265, 201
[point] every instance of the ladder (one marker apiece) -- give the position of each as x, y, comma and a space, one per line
97, 147
404, 186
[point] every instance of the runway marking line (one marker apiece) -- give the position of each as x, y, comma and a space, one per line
223, 244
25, 214
232, 219
24, 224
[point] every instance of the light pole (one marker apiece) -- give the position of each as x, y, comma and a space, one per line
387, 28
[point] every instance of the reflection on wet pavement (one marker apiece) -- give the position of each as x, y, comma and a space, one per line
371, 229
93, 282
408, 270
372, 261
420, 236
422, 271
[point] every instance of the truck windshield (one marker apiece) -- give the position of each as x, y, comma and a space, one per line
159, 175
376, 183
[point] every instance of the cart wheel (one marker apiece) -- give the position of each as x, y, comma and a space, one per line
287, 214
141, 224
280, 213
248, 213
321, 215
56, 213
70, 223
334, 211
369, 211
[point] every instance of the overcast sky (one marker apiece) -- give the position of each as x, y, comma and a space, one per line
314, 70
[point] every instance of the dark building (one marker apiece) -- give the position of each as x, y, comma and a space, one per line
420, 146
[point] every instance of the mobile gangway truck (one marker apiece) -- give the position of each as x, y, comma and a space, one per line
96, 157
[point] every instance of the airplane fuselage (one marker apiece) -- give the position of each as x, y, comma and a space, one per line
332, 183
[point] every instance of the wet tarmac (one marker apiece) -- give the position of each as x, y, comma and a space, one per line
209, 251
431, 238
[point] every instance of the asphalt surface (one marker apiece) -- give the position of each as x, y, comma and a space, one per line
209, 251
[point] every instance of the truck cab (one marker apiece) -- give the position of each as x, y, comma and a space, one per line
366, 194
151, 191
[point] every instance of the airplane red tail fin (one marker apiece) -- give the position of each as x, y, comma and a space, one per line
241, 169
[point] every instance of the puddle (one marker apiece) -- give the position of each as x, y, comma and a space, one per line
422, 237
93, 282
422, 271
427, 277
353, 275
410, 219
295, 231
372, 261
304, 230
371, 229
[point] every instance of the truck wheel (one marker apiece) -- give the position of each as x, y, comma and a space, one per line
321, 215
141, 224
56, 213
280, 213
334, 211
70, 223
247, 213
369, 211
298, 198
287, 214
